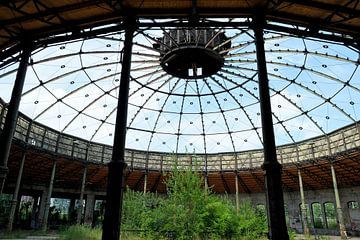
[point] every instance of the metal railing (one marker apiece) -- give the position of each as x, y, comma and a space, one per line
48, 139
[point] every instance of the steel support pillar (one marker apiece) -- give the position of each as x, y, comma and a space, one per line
206, 184
89, 209
40, 216
272, 168
72, 213
48, 198
81, 199
33, 224
303, 206
145, 182
312, 223
323, 214
14, 201
112, 218
11, 117
339, 211
237, 193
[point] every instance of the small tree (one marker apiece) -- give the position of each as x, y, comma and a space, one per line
180, 214
192, 212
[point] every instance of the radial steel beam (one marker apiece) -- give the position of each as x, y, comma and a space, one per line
111, 225
272, 168
226, 186
138, 182
243, 184
156, 184
11, 117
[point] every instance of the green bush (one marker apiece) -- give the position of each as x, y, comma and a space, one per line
292, 234
180, 214
252, 223
132, 209
78, 232
191, 212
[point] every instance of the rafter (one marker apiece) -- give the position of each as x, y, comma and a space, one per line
226, 186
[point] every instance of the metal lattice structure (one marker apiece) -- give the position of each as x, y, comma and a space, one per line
73, 88
42, 137
212, 78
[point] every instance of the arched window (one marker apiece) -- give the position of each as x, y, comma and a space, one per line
317, 215
330, 215
308, 215
353, 204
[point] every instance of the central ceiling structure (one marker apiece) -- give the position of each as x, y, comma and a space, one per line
178, 104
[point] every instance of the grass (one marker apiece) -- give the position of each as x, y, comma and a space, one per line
22, 233
14, 234
77, 232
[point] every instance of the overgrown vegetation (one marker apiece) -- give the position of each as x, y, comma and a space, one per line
77, 232
187, 211
190, 212
21, 234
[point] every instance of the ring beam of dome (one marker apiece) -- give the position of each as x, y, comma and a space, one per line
311, 69
292, 155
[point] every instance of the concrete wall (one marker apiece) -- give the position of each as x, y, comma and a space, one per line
293, 201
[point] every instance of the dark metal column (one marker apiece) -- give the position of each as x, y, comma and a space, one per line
272, 168
12, 113
111, 225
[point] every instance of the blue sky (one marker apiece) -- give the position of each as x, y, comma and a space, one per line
311, 76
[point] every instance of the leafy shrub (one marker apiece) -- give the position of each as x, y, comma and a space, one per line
191, 212
252, 223
77, 232
292, 234
180, 214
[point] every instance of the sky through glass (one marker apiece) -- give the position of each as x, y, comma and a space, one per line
73, 87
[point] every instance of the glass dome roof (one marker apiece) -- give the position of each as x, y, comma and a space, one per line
73, 87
